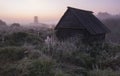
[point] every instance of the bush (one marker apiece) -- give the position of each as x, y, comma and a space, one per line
61, 73
67, 52
41, 68
16, 38
107, 72
10, 70
33, 39
20, 38
11, 53
107, 57
82, 59
59, 50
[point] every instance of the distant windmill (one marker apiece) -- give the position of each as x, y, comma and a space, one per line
36, 21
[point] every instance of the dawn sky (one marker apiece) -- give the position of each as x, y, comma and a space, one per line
50, 11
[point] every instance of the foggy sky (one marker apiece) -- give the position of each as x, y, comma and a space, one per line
50, 11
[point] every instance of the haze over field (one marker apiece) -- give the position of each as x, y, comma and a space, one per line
33, 44
50, 11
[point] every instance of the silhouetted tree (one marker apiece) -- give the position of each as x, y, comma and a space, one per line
15, 25
2, 23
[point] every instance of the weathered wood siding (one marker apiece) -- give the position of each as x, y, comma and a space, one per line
86, 37
67, 33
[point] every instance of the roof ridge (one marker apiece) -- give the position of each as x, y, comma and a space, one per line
79, 9
83, 18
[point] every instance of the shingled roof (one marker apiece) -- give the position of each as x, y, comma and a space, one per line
81, 19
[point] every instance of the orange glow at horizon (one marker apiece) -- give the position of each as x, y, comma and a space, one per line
27, 9
50, 10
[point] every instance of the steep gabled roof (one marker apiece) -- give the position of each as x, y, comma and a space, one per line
82, 19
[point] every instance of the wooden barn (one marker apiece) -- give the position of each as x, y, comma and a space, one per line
81, 22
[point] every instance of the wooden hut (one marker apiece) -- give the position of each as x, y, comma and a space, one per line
81, 22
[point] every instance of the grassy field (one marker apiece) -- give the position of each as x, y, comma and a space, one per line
26, 52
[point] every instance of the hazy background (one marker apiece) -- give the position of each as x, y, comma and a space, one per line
50, 11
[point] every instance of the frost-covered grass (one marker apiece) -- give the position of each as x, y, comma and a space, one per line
33, 55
